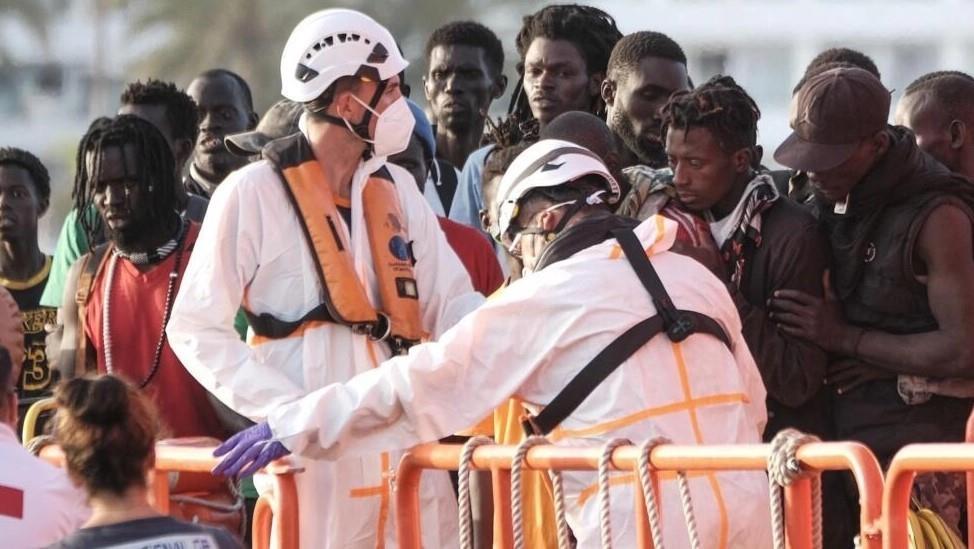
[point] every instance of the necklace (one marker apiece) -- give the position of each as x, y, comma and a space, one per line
157, 255
177, 242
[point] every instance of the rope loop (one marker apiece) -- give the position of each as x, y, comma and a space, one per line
605, 462
463, 490
784, 469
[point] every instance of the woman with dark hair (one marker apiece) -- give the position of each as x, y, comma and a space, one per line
108, 432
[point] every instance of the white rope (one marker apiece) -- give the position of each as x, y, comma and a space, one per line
783, 469
652, 503
517, 466
463, 490
561, 519
605, 518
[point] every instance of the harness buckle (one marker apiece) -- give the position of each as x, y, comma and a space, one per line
681, 327
381, 329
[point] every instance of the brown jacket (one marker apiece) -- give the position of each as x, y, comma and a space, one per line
793, 255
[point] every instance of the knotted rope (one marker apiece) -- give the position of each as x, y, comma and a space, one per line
783, 469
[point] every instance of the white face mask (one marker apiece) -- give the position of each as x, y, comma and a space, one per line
393, 127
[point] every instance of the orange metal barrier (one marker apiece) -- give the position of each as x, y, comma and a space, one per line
822, 456
910, 460
283, 507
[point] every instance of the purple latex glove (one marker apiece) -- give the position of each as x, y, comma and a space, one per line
248, 451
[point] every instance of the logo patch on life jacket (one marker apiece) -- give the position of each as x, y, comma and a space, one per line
870, 252
399, 248
406, 287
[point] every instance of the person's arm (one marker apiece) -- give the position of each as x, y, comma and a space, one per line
793, 369
201, 331
436, 390
63, 342
944, 246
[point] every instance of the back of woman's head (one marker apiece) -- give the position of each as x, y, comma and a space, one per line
107, 431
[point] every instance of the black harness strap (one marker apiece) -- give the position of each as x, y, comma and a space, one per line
676, 324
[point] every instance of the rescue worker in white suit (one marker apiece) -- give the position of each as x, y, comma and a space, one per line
696, 387
338, 263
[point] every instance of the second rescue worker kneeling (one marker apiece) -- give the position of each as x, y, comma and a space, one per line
339, 263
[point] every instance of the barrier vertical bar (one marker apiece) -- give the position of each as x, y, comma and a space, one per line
798, 514
501, 487
261, 527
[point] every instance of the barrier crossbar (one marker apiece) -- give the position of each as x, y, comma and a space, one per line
282, 507
817, 457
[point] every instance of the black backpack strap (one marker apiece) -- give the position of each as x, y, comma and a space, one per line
674, 322
678, 324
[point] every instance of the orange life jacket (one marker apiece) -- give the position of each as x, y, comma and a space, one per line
346, 302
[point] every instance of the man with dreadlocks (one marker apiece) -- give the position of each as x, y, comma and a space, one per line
564, 50
367, 269
939, 108
173, 113
126, 287
767, 243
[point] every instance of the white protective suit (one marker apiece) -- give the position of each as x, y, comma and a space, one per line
251, 251
529, 341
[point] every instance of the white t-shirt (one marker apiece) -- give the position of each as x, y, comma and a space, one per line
39, 505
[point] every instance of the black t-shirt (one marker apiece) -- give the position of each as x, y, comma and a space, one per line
36, 379
149, 533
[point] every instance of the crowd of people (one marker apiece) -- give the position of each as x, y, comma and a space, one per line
312, 282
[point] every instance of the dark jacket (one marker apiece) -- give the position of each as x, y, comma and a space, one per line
792, 255
872, 267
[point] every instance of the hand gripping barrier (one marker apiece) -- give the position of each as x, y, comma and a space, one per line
282, 507
814, 457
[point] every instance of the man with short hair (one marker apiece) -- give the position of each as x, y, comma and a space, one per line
25, 193
554, 213
465, 74
126, 287
564, 50
368, 271
225, 107
174, 114
939, 108
39, 504
898, 317
644, 70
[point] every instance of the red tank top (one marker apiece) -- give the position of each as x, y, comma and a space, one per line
137, 302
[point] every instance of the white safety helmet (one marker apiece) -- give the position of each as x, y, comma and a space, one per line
549, 163
333, 43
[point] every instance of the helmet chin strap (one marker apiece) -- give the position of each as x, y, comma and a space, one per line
361, 129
